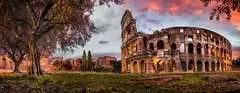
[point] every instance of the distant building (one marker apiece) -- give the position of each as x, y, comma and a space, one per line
106, 61
7, 64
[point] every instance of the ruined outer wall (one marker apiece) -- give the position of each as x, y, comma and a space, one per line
175, 49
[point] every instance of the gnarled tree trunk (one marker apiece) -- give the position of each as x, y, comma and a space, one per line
35, 58
16, 67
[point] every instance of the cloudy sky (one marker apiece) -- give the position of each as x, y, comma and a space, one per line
153, 15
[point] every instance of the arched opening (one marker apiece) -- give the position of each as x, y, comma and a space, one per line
134, 67
151, 46
172, 66
221, 53
173, 49
145, 42
190, 38
207, 66
213, 66
217, 52
160, 66
184, 66
199, 66
191, 65
206, 49
224, 55
199, 47
190, 48
218, 66
160, 44
143, 66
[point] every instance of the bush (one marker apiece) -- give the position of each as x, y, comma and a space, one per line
67, 66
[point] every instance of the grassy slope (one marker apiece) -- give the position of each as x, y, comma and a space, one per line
99, 82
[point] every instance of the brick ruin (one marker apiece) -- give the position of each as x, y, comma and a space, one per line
175, 49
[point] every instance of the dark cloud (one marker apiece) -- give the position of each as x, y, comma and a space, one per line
103, 42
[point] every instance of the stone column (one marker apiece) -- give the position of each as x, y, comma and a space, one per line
138, 67
195, 65
215, 66
147, 66
210, 66
203, 50
131, 66
165, 64
220, 66
187, 62
195, 55
203, 66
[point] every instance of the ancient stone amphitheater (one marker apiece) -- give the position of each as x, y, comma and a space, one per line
175, 49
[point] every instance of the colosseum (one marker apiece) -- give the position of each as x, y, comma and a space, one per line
175, 49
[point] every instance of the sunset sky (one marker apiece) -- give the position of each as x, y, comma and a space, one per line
152, 15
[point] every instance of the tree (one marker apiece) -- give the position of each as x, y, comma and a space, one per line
222, 8
89, 61
44, 23
116, 66
13, 48
67, 65
84, 60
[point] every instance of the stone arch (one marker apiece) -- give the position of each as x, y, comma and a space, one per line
160, 44
151, 46
207, 66
191, 65
135, 67
213, 66
184, 66
199, 49
218, 66
221, 52
173, 48
143, 66
172, 66
145, 42
206, 49
224, 54
190, 48
199, 66
217, 51
160, 66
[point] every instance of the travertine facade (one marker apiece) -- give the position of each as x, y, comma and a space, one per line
175, 49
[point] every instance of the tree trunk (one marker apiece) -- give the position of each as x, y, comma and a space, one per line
16, 67
35, 58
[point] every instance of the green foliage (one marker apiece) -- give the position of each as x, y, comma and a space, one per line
112, 83
117, 66
67, 65
87, 64
89, 61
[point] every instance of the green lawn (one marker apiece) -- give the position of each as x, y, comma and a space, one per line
120, 83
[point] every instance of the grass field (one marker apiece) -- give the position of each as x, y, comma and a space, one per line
121, 83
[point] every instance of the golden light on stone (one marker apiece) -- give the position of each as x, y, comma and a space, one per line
156, 60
